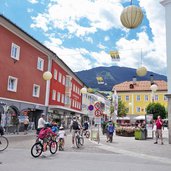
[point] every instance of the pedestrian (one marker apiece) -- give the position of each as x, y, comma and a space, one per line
16, 123
159, 125
26, 123
41, 122
74, 127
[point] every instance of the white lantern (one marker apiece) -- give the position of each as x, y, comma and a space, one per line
131, 16
154, 87
142, 71
47, 75
83, 90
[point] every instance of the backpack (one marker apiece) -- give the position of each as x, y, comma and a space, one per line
42, 133
110, 128
75, 125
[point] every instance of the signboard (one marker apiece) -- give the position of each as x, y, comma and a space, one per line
97, 120
149, 125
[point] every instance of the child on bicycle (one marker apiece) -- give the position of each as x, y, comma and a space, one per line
45, 134
61, 135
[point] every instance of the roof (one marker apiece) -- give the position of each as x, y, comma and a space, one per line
140, 86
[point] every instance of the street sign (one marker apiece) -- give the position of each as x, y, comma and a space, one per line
90, 107
97, 105
98, 113
97, 120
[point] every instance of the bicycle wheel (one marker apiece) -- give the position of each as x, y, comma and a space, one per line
3, 143
53, 147
77, 141
81, 140
87, 134
37, 149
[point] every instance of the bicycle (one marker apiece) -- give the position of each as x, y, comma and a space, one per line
3, 143
37, 148
79, 140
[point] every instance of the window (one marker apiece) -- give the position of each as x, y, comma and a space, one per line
15, 51
146, 97
63, 80
60, 77
138, 109
12, 84
62, 98
67, 100
119, 98
36, 90
55, 74
59, 97
165, 98
156, 97
54, 95
138, 97
127, 98
40, 64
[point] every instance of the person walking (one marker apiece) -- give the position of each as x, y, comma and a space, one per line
26, 123
159, 125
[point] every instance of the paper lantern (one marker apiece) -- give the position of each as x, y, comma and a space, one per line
154, 87
142, 71
83, 90
47, 75
131, 16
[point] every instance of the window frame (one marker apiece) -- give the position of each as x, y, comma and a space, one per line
17, 51
15, 84
41, 67
38, 94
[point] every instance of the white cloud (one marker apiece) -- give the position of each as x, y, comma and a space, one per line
33, 1
64, 14
104, 15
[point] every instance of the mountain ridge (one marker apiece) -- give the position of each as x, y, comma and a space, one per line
113, 75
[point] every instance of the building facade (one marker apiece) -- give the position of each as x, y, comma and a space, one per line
23, 91
137, 95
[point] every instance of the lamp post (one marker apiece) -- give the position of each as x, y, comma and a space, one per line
47, 77
167, 5
153, 88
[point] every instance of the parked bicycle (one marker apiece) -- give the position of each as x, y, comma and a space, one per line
3, 140
79, 140
38, 147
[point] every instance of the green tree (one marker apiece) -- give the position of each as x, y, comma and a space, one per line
156, 109
122, 109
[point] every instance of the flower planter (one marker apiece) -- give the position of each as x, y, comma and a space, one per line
125, 134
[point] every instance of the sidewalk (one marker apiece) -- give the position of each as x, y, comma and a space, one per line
138, 148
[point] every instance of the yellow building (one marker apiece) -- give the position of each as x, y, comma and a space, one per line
138, 94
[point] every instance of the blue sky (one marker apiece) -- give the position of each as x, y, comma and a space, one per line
82, 33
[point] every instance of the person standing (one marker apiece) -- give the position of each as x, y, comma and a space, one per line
26, 123
159, 125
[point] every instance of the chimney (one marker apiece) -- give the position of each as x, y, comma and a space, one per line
134, 79
152, 79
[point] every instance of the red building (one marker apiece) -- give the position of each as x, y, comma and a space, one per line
23, 60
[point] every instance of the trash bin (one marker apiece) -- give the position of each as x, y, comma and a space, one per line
140, 134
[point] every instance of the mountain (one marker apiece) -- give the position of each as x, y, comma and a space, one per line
112, 75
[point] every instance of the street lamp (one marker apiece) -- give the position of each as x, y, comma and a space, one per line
153, 88
47, 76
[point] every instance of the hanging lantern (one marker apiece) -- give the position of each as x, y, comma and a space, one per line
90, 90
131, 17
100, 80
84, 90
47, 75
154, 87
142, 71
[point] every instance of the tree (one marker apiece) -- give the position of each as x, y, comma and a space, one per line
156, 109
122, 109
